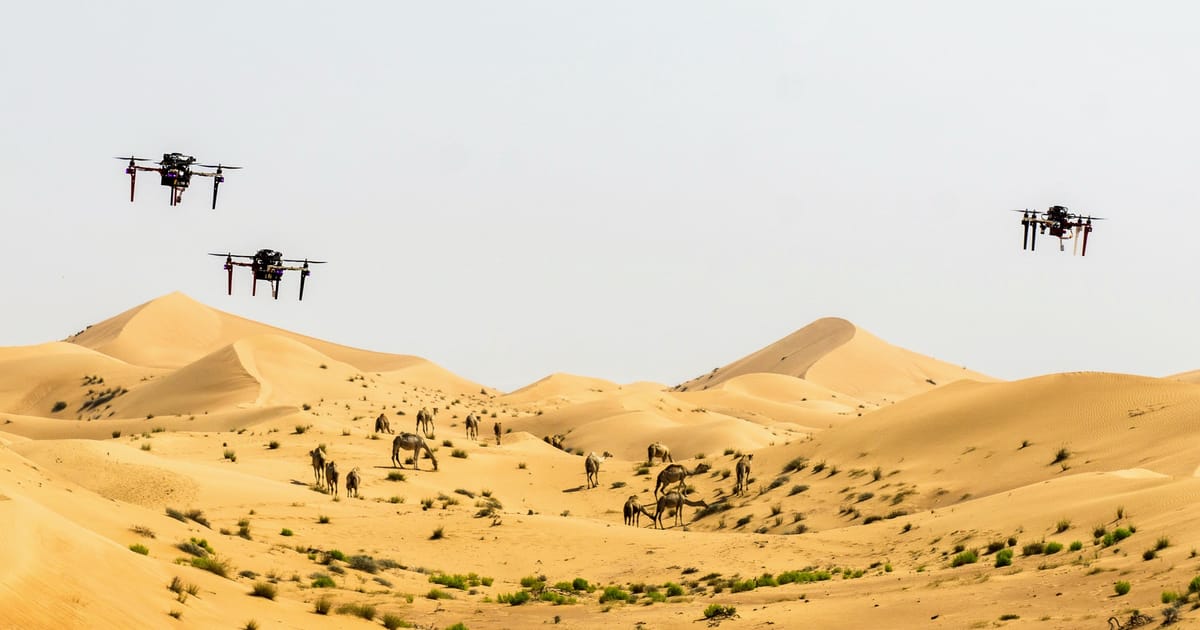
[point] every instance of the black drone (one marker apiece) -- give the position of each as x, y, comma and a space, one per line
175, 170
1060, 224
268, 264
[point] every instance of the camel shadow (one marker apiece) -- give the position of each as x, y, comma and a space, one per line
575, 489
297, 482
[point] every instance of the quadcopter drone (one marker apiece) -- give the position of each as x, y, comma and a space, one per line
175, 170
267, 264
1060, 224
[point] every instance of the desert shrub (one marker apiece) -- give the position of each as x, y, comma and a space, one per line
366, 611
1004, 558
717, 611
323, 519
194, 548
871, 519
1122, 587
395, 475
264, 589
212, 564
802, 577
967, 557
175, 613
864, 496
322, 581
797, 489
1009, 617
438, 533
1194, 585
1052, 548
285, 532
146, 446
58, 406
1149, 554
1034, 549
322, 605
1162, 543
176, 514
363, 563
331, 555
877, 473
392, 621
1169, 597
673, 589
459, 453
437, 593
741, 522
1115, 536
513, 599
1062, 526
796, 465
1076, 545
1061, 455
301, 428
274, 444
994, 546
198, 517
614, 593
142, 549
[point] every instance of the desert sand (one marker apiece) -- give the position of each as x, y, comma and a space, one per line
886, 489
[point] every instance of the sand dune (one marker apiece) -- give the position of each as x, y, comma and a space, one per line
839, 356
860, 468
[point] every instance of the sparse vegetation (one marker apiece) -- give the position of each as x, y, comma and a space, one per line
264, 589
1004, 558
139, 548
966, 557
717, 611
323, 605
438, 533
366, 611
1122, 587
1061, 455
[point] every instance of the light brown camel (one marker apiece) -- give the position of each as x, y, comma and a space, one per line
318, 464
591, 465
352, 481
496, 428
659, 450
331, 477
383, 425
411, 442
472, 427
634, 511
676, 473
425, 421
743, 473
674, 500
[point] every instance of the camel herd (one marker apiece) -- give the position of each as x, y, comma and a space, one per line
669, 487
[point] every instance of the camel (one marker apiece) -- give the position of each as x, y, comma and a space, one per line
411, 442
634, 511
674, 500
331, 477
425, 421
352, 483
496, 428
659, 450
592, 466
383, 425
676, 473
318, 464
472, 427
743, 473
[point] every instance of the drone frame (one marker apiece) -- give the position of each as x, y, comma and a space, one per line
276, 271
176, 189
1070, 225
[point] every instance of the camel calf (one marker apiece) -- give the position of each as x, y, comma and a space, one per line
331, 478
352, 483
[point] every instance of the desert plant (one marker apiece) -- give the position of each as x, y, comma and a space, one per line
459, 453
366, 611
395, 476
322, 581
212, 564
285, 532
58, 406
1076, 545
137, 548
437, 593
1062, 526
274, 444
438, 533
1052, 548
392, 621
1061, 455
264, 589
322, 605
513, 599
1122, 587
966, 557
717, 611
1004, 558
323, 519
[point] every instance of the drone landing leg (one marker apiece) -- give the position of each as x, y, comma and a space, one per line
1085, 235
254, 288
132, 183
275, 289
1033, 238
1025, 239
303, 275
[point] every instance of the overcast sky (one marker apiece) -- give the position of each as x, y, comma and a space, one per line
626, 190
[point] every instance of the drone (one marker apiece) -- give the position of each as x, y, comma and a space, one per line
1060, 224
175, 170
268, 264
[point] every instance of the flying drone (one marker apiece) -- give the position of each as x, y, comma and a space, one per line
268, 264
175, 170
1060, 224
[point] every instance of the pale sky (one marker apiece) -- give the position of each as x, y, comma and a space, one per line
627, 190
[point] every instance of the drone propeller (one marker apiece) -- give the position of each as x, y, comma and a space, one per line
305, 261
133, 159
231, 255
219, 166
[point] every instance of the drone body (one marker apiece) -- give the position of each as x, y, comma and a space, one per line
267, 264
1059, 223
175, 171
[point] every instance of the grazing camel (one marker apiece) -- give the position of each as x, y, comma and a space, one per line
634, 511
659, 450
496, 428
383, 425
743, 473
318, 464
331, 477
674, 500
352, 480
411, 442
425, 421
592, 466
676, 473
472, 427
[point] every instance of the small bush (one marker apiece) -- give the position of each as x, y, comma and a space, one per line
513, 599
437, 593
1169, 597
323, 519
438, 533
363, 563
366, 611
1076, 545
323, 581
967, 557
322, 605
717, 611
797, 489
614, 593
459, 453
1052, 548
1061, 455
1194, 585
1062, 526
1149, 554
395, 475
391, 622
212, 565
1034, 549
1122, 587
264, 589
273, 445
58, 406
285, 532
1004, 558
138, 548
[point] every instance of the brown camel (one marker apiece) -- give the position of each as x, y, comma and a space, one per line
411, 442
676, 473
472, 427
352, 481
383, 425
634, 511
592, 466
425, 421
743, 473
674, 500
331, 477
659, 450
496, 428
318, 464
